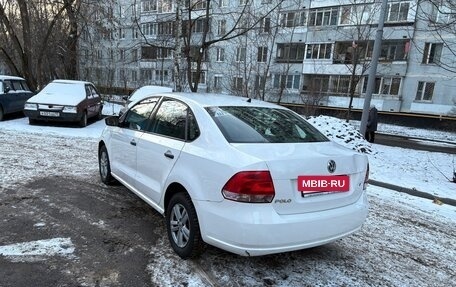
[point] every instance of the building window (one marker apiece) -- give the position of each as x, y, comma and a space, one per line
355, 14
293, 52
134, 54
238, 83
293, 19
221, 27
122, 54
196, 4
134, 76
165, 6
100, 54
223, 3
445, 13
397, 12
149, 29
161, 75
394, 50
242, 2
202, 79
262, 54
218, 83
323, 16
220, 55
385, 86
432, 53
121, 33
148, 6
265, 25
240, 54
319, 51
260, 82
425, 91
146, 75
166, 28
198, 26
287, 81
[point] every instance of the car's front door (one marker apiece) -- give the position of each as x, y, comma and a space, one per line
125, 139
159, 149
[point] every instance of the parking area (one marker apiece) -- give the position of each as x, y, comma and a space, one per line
60, 226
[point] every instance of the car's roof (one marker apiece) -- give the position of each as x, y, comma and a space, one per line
6, 77
71, 82
210, 100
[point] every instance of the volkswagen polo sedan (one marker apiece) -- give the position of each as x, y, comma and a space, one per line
247, 176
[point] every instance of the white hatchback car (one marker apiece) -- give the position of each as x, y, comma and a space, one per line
247, 176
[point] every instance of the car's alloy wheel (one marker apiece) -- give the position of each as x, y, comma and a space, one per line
104, 166
183, 227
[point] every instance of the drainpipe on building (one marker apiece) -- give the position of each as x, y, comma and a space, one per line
373, 67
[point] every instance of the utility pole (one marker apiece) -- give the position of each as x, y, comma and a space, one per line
373, 67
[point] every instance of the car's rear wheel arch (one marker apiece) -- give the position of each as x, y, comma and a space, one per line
172, 189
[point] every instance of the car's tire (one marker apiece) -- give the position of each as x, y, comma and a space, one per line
83, 120
183, 227
1, 113
104, 166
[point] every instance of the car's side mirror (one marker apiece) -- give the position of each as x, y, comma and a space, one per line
112, 121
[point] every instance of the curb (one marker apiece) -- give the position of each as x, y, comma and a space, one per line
413, 192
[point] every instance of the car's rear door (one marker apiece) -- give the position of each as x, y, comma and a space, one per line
159, 149
125, 139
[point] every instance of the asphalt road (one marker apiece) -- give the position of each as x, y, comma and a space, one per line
416, 143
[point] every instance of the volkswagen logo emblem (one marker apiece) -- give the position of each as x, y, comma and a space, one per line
331, 166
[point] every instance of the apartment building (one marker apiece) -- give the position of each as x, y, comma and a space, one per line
313, 52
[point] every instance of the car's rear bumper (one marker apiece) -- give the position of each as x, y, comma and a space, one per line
256, 229
62, 117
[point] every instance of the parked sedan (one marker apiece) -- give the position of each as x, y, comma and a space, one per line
247, 176
14, 91
65, 100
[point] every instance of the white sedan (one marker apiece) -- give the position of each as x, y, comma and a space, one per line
247, 176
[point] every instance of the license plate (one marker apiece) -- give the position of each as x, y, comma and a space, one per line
322, 183
49, 114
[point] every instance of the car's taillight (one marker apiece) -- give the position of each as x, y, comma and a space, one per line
366, 178
250, 186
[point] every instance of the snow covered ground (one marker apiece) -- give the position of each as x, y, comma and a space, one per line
406, 241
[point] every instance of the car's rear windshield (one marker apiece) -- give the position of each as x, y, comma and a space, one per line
240, 124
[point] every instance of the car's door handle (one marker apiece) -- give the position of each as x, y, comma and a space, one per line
133, 142
169, 154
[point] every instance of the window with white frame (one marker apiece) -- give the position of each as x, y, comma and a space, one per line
198, 26
319, 51
166, 28
425, 91
122, 54
293, 52
444, 13
165, 6
220, 57
260, 82
161, 75
355, 14
99, 54
287, 81
148, 6
238, 83
323, 16
397, 11
196, 4
202, 78
146, 75
243, 2
393, 50
265, 25
134, 75
262, 56
432, 53
121, 33
240, 54
223, 3
149, 29
293, 19
218, 83
221, 27
384, 85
